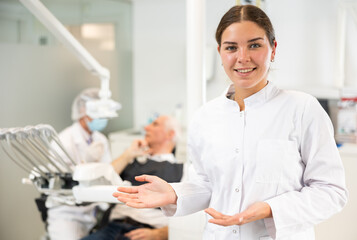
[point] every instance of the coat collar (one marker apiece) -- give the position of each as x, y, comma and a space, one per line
264, 95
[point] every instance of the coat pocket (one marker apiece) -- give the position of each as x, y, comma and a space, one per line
272, 160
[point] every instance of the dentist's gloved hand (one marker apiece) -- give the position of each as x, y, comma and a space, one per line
95, 152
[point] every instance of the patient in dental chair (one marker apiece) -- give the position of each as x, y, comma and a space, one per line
153, 155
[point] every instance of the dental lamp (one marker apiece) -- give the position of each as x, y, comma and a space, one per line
102, 108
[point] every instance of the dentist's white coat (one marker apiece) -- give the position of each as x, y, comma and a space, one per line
280, 150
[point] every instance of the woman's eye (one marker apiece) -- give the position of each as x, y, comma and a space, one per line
255, 45
231, 48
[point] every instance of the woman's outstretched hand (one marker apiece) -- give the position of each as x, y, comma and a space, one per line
256, 211
155, 193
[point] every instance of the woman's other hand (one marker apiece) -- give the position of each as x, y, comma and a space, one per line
256, 211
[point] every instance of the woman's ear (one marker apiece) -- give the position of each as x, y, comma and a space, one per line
274, 50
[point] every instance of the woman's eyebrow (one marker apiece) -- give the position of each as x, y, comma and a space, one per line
226, 42
255, 39
251, 40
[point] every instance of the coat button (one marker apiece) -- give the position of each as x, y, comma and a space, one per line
234, 231
237, 189
237, 150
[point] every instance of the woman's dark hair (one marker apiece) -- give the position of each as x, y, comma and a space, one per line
246, 13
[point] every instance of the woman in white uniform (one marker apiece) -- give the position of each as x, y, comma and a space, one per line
84, 143
265, 160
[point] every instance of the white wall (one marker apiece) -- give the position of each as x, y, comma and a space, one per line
158, 57
307, 55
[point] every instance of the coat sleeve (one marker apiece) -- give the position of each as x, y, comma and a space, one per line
324, 192
193, 194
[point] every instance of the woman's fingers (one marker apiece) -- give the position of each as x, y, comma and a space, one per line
125, 195
136, 204
131, 201
128, 189
224, 220
145, 178
128, 200
218, 222
123, 199
214, 213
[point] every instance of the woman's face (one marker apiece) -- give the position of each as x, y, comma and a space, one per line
246, 55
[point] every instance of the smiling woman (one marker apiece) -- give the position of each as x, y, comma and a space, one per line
246, 44
246, 55
266, 165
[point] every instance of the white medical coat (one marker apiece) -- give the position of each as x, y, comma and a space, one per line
280, 150
74, 222
74, 139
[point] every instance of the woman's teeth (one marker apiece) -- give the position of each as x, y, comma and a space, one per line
244, 70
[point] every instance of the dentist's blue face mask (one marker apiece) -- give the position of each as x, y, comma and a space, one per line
97, 124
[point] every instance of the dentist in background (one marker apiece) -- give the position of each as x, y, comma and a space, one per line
84, 143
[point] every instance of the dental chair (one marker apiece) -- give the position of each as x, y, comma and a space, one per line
59, 180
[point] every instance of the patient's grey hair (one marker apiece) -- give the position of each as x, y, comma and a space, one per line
172, 124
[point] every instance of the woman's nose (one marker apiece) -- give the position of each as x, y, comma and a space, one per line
243, 55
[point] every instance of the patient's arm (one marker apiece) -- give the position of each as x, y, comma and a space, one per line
121, 162
149, 234
137, 148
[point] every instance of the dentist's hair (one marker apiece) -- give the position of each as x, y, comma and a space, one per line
242, 13
79, 103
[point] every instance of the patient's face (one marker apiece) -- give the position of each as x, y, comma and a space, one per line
156, 132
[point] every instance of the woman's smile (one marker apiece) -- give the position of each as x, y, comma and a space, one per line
244, 72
